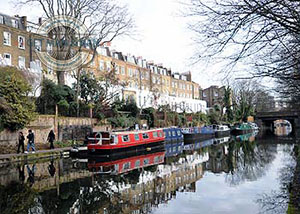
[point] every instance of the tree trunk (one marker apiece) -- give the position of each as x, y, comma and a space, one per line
60, 77
77, 91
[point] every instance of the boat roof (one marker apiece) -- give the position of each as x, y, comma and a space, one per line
136, 131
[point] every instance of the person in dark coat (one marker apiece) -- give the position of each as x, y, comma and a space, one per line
21, 142
51, 138
30, 143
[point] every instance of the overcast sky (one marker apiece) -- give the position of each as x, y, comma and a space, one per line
162, 37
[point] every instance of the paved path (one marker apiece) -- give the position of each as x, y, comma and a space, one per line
9, 158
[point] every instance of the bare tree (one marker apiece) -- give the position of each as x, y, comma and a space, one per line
264, 34
105, 20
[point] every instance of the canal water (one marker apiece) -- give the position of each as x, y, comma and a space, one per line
249, 174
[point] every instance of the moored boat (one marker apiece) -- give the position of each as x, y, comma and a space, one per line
197, 133
173, 134
241, 129
107, 144
221, 130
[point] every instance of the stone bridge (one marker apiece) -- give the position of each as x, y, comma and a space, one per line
266, 119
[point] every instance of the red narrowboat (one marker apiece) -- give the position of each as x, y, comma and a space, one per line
126, 164
107, 144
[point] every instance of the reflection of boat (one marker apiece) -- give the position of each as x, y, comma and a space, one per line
246, 137
193, 134
221, 130
173, 134
198, 145
111, 143
221, 140
123, 165
173, 148
240, 129
254, 126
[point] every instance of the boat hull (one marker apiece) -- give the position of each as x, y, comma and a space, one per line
98, 152
222, 133
241, 131
191, 138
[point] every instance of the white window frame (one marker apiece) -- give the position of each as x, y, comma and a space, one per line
6, 38
23, 65
122, 70
5, 59
15, 23
1, 19
101, 65
37, 47
24, 41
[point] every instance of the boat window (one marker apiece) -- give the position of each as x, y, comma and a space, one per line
154, 134
156, 159
178, 133
136, 137
174, 133
126, 166
125, 138
116, 167
146, 161
137, 163
115, 139
170, 134
145, 136
160, 134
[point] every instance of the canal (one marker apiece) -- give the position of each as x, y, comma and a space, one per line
250, 174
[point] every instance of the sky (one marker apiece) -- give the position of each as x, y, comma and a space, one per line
162, 37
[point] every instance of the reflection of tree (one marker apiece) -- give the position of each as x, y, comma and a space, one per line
16, 198
287, 197
241, 161
249, 161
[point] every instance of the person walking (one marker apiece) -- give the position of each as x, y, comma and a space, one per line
21, 142
51, 138
30, 143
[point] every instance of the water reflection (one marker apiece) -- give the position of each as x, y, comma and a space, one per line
141, 183
282, 127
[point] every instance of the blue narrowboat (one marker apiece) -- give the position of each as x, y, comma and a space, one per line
193, 134
173, 134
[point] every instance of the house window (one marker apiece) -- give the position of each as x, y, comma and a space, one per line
145, 136
50, 70
204, 94
108, 66
125, 138
38, 45
49, 47
7, 58
1, 20
21, 62
7, 38
15, 23
101, 65
117, 69
216, 94
21, 42
122, 70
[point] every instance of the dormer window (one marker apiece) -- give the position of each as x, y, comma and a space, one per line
15, 23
